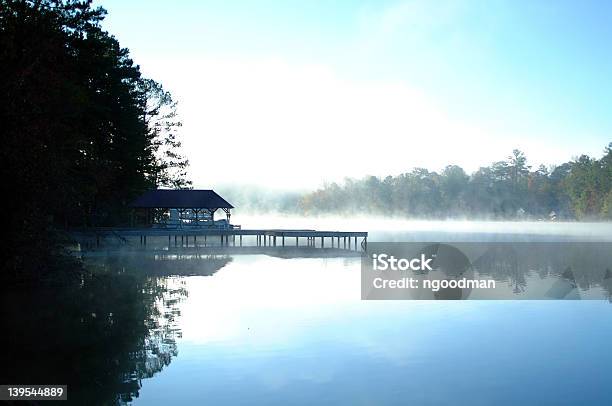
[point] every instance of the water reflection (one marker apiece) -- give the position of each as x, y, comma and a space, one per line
160, 263
573, 266
521, 270
105, 334
270, 331
278, 328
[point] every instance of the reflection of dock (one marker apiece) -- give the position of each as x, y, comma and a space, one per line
203, 237
218, 251
160, 263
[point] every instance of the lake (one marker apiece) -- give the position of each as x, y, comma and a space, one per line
196, 327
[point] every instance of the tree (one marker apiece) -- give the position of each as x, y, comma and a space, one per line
505, 189
161, 119
83, 131
453, 185
517, 167
584, 187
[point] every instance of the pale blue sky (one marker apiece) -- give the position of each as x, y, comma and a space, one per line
292, 82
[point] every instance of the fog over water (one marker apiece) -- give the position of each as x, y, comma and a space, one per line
398, 229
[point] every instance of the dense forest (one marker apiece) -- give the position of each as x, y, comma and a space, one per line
509, 189
83, 131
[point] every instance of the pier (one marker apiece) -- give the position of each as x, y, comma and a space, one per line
186, 218
193, 237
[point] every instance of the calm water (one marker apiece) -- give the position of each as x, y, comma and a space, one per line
158, 328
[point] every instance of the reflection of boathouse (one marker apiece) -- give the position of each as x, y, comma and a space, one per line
181, 208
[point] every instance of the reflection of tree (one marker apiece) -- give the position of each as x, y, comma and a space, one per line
583, 264
502, 263
100, 337
607, 284
159, 345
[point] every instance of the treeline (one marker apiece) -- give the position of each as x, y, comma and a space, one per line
509, 189
83, 132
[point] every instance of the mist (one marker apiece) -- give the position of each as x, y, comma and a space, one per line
509, 189
382, 228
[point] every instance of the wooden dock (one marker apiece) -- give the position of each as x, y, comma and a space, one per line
190, 237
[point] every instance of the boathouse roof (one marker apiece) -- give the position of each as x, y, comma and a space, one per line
181, 199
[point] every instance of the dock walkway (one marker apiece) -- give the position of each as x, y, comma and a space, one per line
230, 237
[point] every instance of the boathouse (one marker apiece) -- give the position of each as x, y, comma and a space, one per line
181, 208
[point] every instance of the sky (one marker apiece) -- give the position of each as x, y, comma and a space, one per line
288, 95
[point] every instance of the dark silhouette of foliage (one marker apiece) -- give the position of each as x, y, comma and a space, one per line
83, 132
